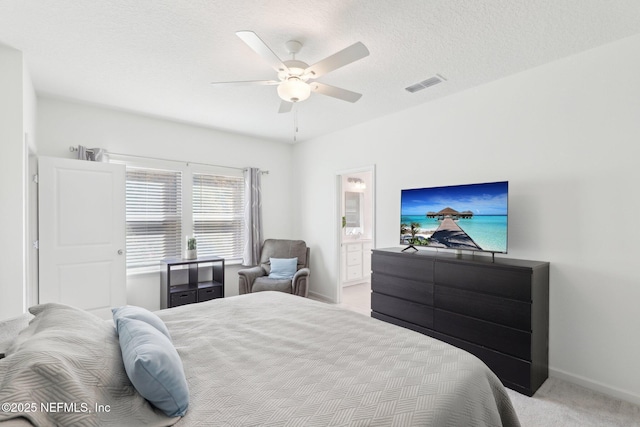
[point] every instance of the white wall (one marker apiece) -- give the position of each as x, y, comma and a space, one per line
566, 137
16, 119
29, 109
62, 124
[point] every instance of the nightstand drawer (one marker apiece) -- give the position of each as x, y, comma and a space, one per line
205, 294
181, 298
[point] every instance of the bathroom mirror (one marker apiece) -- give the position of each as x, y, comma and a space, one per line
353, 212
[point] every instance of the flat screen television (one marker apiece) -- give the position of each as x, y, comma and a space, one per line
464, 217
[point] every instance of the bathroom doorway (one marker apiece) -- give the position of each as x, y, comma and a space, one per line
356, 237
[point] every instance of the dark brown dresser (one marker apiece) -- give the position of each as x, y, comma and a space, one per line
496, 309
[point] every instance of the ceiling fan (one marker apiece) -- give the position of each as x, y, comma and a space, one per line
296, 78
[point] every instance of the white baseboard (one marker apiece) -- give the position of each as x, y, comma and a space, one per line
320, 297
595, 385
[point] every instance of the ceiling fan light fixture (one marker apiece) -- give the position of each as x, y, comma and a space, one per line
294, 90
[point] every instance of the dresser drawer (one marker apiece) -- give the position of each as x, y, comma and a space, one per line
497, 337
402, 323
511, 283
409, 311
515, 373
405, 265
184, 297
507, 312
420, 292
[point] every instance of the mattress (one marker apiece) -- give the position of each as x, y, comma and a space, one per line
274, 359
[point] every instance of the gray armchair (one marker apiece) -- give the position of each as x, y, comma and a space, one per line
256, 279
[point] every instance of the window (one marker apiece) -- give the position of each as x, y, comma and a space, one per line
218, 210
166, 202
154, 216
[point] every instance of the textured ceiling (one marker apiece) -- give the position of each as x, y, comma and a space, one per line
157, 57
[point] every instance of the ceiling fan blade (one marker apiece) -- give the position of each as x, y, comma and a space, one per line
285, 107
340, 59
336, 92
248, 82
261, 48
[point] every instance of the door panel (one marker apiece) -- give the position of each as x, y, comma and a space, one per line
82, 206
82, 234
76, 290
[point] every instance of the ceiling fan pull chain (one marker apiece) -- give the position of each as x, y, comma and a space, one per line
295, 122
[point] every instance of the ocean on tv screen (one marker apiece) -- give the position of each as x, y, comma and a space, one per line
466, 217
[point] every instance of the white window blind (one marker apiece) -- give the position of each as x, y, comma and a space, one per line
154, 216
218, 210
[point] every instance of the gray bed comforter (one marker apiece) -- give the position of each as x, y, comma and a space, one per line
280, 360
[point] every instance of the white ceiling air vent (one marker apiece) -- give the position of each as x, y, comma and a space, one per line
425, 83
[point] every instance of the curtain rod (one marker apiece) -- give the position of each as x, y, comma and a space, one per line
72, 149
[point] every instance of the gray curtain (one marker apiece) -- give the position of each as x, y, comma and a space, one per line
252, 217
92, 154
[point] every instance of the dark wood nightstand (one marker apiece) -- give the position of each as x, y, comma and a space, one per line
187, 281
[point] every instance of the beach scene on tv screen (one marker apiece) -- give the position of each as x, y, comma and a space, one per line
464, 217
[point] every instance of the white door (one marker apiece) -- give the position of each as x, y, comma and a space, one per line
82, 234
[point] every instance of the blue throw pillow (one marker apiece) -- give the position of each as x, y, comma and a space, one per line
134, 312
153, 366
283, 268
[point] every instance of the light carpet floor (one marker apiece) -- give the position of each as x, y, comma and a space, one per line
562, 404
557, 403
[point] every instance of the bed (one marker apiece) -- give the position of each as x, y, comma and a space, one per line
275, 359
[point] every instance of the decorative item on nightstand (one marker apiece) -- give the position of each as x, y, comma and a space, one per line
192, 248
